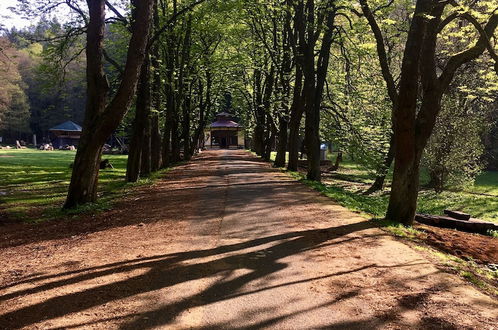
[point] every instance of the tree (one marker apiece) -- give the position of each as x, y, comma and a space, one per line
310, 28
391, 91
14, 111
102, 117
421, 84
453, 153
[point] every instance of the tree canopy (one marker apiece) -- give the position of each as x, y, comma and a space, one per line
406, 81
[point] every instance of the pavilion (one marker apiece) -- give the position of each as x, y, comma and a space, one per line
224, 133
67, 133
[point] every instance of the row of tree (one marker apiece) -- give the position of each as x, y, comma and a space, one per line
381, 79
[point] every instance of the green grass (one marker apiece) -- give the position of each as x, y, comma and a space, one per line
33, 183
486, 183
347, 185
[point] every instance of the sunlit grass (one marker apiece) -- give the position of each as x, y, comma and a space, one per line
346, 186
34, 183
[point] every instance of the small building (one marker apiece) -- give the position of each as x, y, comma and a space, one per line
224, 133
67, 133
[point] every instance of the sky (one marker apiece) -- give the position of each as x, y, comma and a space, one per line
9, 19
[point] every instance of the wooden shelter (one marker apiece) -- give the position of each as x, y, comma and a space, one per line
224, 133
65, 134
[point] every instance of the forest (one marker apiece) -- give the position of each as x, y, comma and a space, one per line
247, 164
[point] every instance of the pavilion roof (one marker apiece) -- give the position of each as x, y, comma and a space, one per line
224, 120
220, 123
68, 126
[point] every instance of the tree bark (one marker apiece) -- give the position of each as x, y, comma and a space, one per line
405, 185
282, 142
186, 127
166, 142
297, 110
170, 55
186, 90
391, 90
413, 129
268, 131
155, 143
285, 83
101, 119
146, 163
175, 135
314, 82
271, 133
260, 117
204, 107
170, 102
139, 151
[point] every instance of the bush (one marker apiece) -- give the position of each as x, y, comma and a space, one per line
453, 154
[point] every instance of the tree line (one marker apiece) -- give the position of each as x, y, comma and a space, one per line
397, 84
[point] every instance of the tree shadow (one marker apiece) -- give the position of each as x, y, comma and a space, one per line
260, 259
229, 271
168, 270
171, 190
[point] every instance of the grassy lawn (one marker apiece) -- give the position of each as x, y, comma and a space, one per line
33, 183
347, 185
486, 183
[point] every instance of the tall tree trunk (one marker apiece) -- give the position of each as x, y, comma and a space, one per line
269, 131
270, 135
404, 188
101, 119
140, 137
314, 77
282, 142
260, 117
83, 187
186, 90
175, 137
312, 132
155, 143
391, 90
285, 83
146, 163
170, 103
176, 134
204, 106
166, 142
170, 56
186, 127
297, 110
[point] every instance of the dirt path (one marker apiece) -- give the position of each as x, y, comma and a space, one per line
226, 242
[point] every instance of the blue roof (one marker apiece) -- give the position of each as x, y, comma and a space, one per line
67, 126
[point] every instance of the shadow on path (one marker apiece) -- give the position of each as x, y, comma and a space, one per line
168, 270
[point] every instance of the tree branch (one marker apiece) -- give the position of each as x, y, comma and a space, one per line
173, 19
456, 61
381, 51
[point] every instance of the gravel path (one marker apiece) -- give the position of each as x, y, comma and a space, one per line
227, 242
